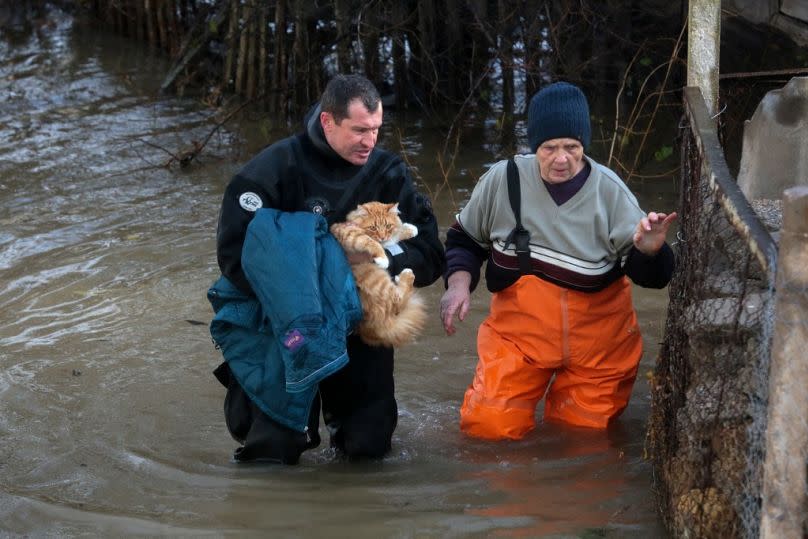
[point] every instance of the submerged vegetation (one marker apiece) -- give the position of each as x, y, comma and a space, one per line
427, 54
454, 61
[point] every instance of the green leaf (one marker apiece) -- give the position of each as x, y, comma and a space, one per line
663, 153
645, 61
624, 141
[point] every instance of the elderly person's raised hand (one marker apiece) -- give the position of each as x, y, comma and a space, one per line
651, 232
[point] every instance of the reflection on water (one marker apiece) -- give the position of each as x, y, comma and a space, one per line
110, 419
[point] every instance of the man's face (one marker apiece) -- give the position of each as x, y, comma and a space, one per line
355, 136
560, 159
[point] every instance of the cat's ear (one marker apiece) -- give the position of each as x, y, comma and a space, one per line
360, 211
393, 208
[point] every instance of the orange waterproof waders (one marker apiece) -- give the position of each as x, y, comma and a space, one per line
536, 329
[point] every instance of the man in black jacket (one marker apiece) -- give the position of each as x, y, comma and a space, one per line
329, 168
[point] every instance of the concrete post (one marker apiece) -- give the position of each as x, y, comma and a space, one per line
703, 48
784, 480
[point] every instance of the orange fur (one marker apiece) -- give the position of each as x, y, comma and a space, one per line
392, 313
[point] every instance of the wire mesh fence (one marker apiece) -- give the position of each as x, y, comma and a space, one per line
709, 405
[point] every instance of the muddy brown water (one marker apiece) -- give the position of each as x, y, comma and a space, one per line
110, 419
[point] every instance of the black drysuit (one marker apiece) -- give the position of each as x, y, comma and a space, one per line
303, 173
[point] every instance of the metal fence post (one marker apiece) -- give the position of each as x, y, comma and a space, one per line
784, 481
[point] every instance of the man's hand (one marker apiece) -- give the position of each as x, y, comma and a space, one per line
456, 300
651, 232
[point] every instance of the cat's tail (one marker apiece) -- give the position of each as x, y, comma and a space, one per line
402, 328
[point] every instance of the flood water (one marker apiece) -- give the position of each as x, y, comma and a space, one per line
110, 419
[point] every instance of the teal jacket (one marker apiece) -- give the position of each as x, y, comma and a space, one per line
280, 343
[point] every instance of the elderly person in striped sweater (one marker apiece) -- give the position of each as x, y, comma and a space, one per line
563, 240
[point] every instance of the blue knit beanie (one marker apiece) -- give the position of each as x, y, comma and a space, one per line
558, 111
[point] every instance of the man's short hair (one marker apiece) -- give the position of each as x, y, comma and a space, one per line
342, 89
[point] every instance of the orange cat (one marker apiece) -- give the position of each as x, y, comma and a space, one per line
391, 314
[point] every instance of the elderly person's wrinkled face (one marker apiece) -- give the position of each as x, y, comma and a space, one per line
560, 159
354, 137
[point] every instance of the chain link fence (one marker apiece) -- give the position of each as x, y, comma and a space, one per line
707, 428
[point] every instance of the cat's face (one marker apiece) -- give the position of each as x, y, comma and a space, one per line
379, 221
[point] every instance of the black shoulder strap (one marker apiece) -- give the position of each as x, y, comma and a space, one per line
514, 191
519, 236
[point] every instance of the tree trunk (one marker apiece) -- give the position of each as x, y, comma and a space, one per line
139, 20
119, 18
309, 69
252, 47
452, 68
148, 8
230, 44
369, 31
300, 56
425, 69
174, 32
161, 23
280, 80
505, 30
342, 17
241, 66
262, 50
400, 88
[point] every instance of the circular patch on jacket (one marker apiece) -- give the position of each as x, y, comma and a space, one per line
250, 201
318, 205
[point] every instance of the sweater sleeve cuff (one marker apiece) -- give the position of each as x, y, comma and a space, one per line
650, 271
459, 259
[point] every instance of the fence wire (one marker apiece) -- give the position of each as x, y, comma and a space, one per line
706, 433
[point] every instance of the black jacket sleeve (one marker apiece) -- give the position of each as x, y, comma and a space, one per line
254, 186
234, 216
423, 254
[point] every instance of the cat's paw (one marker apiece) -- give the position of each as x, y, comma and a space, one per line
406, 276
411, 230
382, 262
